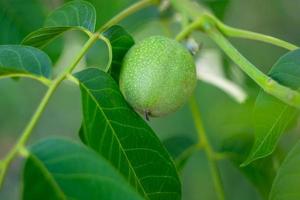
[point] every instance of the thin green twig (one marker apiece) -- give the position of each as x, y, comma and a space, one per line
194, 11
203, 142
110, 53
206, 24
195, 25
127, 12
239, 33
5, 163
210, 154
19, 147
186, 154
269, 85
41, 79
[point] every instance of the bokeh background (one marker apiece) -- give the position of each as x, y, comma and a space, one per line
225, 119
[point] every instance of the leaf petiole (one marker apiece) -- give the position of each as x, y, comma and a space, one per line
240, 33
127, 12
206, 23
20, 145
110, 53
43, 80
285, 94
53, 85
210, 154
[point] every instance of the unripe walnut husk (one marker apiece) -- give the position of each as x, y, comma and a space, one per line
158, 75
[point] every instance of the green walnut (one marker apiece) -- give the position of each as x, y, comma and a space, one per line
158, 75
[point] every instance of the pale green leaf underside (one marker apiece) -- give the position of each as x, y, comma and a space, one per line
75, 15
287, 182
42, 37
116, 132
121, 41
18, 59
58, 169
272, 116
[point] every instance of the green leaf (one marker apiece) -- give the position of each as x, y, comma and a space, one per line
272, 116
181, 149
75, 15
217, 6
109, 10
44, 36
121, 41
58, 169
286, 183
133, 23
115, 131
17, 59
18, 18
261, 177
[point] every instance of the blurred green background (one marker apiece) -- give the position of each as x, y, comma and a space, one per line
224, 119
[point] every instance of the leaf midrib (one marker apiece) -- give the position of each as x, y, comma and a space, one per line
270, 131
48, 176
42, 32
113, 131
